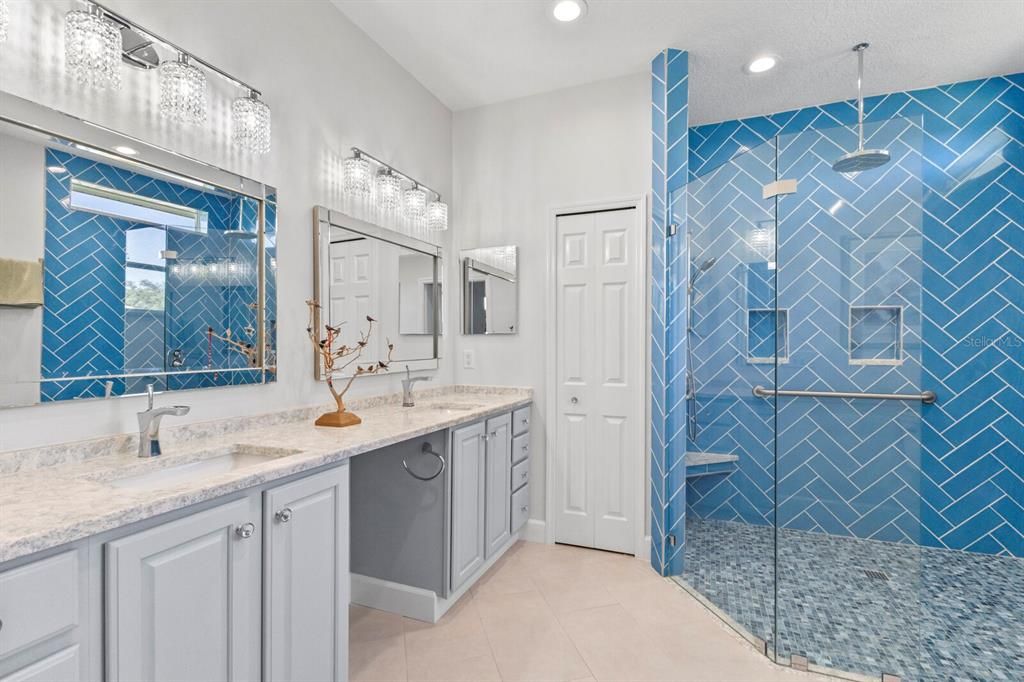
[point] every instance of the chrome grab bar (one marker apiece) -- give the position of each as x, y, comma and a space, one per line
926, 397
427, 450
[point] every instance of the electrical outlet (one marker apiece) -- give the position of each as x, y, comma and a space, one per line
468, 359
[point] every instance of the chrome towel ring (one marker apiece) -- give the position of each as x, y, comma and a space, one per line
427, 450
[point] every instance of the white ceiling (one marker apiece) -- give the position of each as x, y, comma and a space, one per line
475, 52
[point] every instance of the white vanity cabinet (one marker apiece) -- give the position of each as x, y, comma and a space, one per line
498, 493
468, 535
183, 598
305, 578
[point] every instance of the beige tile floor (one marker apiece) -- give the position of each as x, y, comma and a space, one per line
550, 612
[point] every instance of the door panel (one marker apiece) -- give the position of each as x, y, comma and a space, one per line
191, 585
468, 483
598, 428
306, 591
499, 485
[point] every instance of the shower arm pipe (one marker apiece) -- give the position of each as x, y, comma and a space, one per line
859, 49
926, 397
125, 21
405, 176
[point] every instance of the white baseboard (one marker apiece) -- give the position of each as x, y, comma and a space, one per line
415, 602
535, 530
645, 549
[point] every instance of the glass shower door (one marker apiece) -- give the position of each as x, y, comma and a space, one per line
848, 469
729, 289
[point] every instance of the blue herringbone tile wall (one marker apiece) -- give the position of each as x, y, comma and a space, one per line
942, 236
84, 319
670, 156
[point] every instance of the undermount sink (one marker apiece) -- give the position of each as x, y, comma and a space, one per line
448, 408
203, 465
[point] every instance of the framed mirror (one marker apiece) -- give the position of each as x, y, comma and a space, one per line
360, 270
123, 265
490, 291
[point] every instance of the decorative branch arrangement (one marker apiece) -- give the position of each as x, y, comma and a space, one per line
242, 347
340, 358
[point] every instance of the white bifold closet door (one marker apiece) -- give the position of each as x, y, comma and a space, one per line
599, 334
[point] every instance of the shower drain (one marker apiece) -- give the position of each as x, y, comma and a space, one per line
876, 574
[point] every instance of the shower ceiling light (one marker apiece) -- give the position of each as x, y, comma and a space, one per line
389, 189
356, 175
127, 151
92, 48
182, 91
250, 123
761, 64
437, 215
415, 202
568, 10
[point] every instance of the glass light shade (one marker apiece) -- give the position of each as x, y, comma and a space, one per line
250, 124
5, 18
92, 49
389, 189
182, 92
356, 175
437, 215
415, 202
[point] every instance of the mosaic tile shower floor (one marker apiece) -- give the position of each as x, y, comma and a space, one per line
934, 615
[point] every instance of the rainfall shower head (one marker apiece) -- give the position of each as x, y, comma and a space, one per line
862, 159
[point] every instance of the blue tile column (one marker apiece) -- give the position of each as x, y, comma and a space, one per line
669, 170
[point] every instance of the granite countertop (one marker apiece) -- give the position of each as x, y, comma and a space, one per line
56, 495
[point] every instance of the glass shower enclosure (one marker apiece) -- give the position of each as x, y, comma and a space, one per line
807, 413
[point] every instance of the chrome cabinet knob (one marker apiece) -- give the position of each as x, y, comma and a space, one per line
245, 530
284, 516
523, 509
572, 400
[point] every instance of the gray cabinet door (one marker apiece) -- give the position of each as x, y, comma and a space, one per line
499, 488
183, 599
305, 579
467, 462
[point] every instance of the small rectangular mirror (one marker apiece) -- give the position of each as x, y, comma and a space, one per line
490, 290
124, 265
361, 270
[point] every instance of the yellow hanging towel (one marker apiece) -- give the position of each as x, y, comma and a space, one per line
21, 283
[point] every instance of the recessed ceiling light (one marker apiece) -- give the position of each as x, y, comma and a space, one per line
569, 10
762, 64
127, 151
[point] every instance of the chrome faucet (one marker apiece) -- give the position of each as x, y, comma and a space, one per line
407, 384
149, 424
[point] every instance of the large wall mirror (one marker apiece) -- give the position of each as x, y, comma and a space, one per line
123, 265
490, 290
360, 270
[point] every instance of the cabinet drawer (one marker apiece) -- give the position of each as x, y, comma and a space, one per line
63, 666
520, 474
520, 448
38, 600
521, 420
520, 507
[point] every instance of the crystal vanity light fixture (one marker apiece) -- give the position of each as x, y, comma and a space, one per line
5, 18
411, 203
415, 202
182, 91
92, 48
356, 175
389, 189
96, 42
437, 215
250, 123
